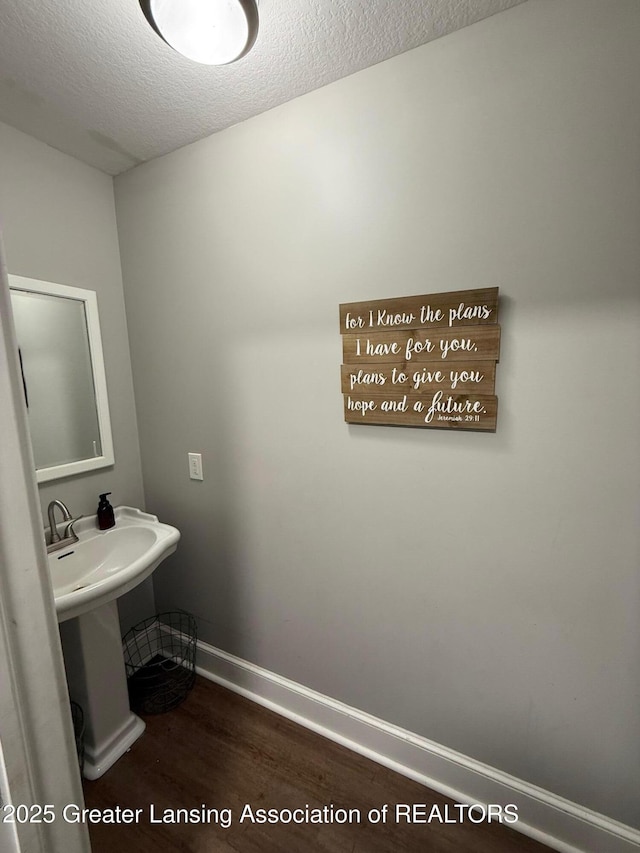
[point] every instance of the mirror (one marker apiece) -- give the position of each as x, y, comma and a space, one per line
65, 387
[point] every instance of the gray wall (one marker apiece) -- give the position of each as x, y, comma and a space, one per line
478, 589
58, 224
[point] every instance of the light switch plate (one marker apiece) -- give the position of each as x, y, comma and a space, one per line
195, 466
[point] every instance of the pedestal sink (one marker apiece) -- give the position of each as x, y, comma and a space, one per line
87, 579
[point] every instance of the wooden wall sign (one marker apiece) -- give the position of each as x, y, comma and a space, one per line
426, 361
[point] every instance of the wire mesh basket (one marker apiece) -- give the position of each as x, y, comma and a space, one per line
77, 715
160, 659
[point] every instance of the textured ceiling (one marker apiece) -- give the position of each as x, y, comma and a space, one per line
93, 79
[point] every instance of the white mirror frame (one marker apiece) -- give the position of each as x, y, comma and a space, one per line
90, 300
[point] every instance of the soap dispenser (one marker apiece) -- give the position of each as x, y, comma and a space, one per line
106, 516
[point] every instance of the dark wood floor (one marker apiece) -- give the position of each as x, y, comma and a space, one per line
223, 751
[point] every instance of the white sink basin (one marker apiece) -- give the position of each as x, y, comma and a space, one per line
103, 565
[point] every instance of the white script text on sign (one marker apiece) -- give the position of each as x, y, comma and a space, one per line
472, 342
435, 310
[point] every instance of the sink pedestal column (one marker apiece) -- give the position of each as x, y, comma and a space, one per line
97, 681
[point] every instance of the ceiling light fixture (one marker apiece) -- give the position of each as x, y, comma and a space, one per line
213, 32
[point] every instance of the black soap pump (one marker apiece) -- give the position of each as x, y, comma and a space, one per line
106, 517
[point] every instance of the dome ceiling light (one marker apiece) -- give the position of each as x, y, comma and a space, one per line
212, 32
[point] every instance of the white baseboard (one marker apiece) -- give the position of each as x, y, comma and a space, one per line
552, 820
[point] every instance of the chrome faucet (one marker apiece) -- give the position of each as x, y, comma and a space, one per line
69, 536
